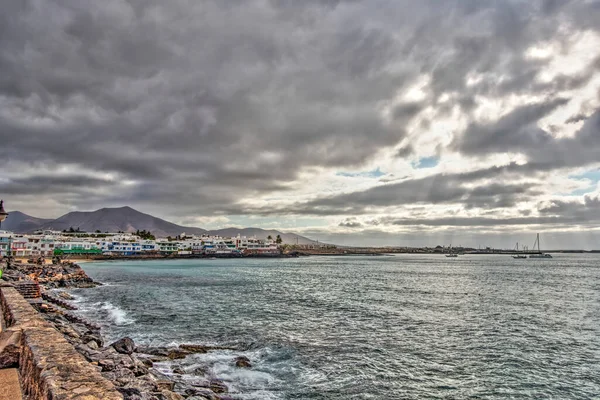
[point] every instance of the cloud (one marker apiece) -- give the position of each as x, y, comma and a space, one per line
217, 108
350, 223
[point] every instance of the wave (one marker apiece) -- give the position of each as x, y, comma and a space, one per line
115, 314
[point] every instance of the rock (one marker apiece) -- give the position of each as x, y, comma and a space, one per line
92, 355
45, 308
242, 362
130, 393
154, 351
146, 360
139, 368
194, 348
164, 353
164, 385
199, 371
121, 377
178, 370
176, 354
107, 365
124, 345
93, 336
68, 331
169, 395
145, 383
217, 386
201, 394
125, 360
9, 358
92, 345
10, 346
65, 295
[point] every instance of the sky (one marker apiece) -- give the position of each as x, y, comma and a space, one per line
373, 122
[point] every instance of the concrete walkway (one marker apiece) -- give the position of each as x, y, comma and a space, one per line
10, 389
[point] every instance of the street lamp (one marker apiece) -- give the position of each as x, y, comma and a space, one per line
3, 214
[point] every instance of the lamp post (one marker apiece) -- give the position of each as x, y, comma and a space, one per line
3, 214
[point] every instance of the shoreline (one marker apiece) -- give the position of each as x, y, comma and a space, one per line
128, 366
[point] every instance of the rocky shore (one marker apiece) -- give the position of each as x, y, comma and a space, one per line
131, 368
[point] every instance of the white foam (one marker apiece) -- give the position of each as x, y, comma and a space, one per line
117, 315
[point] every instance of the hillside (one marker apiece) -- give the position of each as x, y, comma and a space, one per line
21, 223
127, 219
124, 219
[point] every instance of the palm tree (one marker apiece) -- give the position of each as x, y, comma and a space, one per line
269, 237
278, 240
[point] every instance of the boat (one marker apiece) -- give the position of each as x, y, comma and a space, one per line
540, 254
518, 255
451, 254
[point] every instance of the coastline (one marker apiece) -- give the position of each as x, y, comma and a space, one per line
129, 367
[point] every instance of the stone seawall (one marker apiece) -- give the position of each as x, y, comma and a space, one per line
49, 366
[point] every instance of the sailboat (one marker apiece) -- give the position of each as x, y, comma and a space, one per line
518, 255
540, 254
451, 254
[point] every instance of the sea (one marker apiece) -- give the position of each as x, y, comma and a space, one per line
366, 327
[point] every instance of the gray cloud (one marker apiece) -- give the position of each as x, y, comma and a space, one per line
350, 223
197, 105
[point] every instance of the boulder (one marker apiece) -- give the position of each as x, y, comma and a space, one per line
139, 367
91, 336
177, 354
242, 362
154, 351
92, 345
217, 386
107, 365
65, 295
169, 395
194, 348
201, 371
201, 394
164, 384
178, 370
124, 345
130, 393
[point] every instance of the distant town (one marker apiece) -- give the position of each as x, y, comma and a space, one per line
73, 244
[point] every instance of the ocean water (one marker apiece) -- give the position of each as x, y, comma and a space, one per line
388, 327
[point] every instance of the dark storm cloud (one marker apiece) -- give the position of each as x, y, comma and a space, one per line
50, 184
556, 212
587, 211
200, 104
515, 131
488, 188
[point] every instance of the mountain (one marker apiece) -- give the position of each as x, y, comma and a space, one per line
21, 223
127, 219
124, 219
290, 238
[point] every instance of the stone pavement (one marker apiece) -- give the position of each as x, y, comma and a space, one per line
10, 389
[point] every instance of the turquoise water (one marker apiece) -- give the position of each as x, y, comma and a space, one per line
390, 327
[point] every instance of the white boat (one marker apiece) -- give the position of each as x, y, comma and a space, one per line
518, 255
451, 254
540, 254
